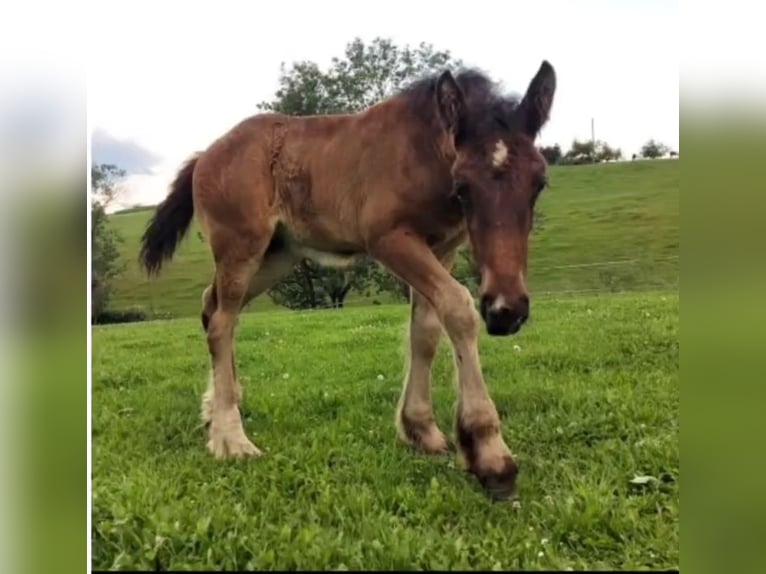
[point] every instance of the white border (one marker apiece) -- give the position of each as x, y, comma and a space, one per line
89, 377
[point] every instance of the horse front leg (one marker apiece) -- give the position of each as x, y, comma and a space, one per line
414, 414
480, 443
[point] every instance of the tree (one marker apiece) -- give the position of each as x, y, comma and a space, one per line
365, 74
466, 271
105, 257
552, 154
653, 149
581, 152
300, 290
105, 182
588, 151
606, 153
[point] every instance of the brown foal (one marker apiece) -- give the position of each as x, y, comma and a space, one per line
407, 181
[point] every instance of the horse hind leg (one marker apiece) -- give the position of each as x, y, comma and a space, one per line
236, 284
234, 271
209, 304
274, 267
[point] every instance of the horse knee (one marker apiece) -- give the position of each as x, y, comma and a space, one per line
461, 318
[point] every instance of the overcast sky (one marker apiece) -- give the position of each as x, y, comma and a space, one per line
165, 78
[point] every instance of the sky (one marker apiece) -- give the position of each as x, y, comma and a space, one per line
166, 79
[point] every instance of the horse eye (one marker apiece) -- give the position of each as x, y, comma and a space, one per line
461, 191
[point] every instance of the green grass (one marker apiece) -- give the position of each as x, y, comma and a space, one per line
592, 214
588, 401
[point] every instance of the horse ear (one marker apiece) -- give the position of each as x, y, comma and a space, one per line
450, 102
536, 105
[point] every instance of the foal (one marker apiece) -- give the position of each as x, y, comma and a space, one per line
407, 181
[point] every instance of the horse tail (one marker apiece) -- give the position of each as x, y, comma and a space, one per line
170, 222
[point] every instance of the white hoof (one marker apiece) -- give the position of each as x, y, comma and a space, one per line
225, 447
227, 437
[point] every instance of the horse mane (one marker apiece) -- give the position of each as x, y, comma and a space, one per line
487, 107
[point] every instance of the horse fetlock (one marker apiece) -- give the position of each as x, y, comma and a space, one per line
484, 453
421, 432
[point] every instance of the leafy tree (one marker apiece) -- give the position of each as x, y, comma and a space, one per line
605, 153
653, 149
552, 154
580, 152
466, 271
588, 151
365, 74
105, 182
302, 290
105, 256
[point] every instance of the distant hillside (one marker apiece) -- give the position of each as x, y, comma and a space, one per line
136, 209
604, 227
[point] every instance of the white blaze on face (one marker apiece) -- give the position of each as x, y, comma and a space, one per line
500, 154
498, 304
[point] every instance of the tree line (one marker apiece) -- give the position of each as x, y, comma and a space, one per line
589, 151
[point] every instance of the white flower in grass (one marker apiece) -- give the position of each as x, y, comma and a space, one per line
544, 541
516, 348
381, 377
286, 376
540, 554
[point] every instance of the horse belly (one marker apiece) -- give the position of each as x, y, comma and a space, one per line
328, 258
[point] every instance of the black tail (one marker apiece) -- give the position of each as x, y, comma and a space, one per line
170, 222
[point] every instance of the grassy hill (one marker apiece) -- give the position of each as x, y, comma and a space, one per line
609, 227
589, 397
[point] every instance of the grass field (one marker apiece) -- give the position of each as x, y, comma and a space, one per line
589, 400
605, 214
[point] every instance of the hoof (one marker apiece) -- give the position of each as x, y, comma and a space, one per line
423, 436
486, 456
232, 447
228, 438
499, 485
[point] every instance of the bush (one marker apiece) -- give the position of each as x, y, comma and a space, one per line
111, 317
133, 315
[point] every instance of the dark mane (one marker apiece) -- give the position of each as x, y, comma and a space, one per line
487, 106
